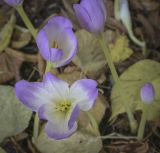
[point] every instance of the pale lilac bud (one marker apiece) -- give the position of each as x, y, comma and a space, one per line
147, 93
14, 2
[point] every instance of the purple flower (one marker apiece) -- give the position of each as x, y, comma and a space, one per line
58, 103
147, 93
57, 42
14, 2
91, 15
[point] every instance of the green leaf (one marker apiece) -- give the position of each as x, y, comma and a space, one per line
132, 81
14, 116
6, 33
90, 57
82, 141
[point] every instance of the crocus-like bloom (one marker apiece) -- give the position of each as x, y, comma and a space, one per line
57, 42
14, 2
91, 15
147, 93
58, 103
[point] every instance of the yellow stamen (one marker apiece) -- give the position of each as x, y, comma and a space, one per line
63, 107
55, 45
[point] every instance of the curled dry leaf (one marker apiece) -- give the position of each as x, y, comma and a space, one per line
10, 63
120, 50
90, 57
128, 147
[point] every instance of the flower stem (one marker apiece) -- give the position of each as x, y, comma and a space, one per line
143, 122
117, 136
35, 127
93, 121
33, 31
106, 50
26, 20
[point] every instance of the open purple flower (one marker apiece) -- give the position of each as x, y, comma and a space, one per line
147, 93
14, 2
91, 15
58, 103
57, 42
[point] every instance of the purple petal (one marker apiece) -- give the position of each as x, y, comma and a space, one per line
147, 93
62, 22
84, 93
73, 116
53, 131
83, 17
56, 54
32, 94
43, 44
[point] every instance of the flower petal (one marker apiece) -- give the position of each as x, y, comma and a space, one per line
62, 22
83, 16
33, 95
68, 43
63, 125
14, 2
85, 12
84, 93
73, 115
56, 54
55, 86
56, 132
43, 44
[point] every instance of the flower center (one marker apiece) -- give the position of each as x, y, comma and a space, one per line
63, 107
54, 44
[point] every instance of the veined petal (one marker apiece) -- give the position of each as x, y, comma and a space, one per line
101, 2
56, 132
83, 16
33, 95
55, 86
43, 44
84, 93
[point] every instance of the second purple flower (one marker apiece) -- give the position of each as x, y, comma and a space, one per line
91, 14
57, 42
